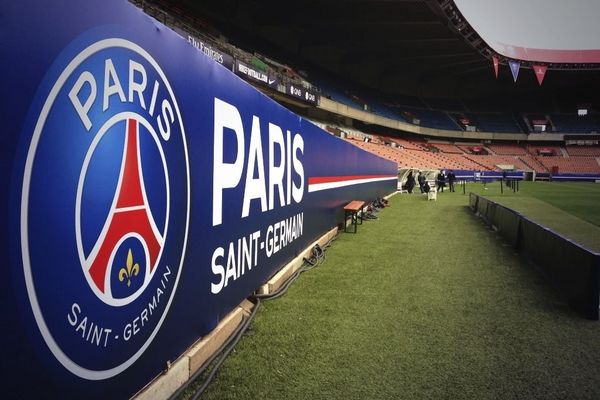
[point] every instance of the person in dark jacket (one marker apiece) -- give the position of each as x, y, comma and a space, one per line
421, 181
426, 187
451, 180
441, 181
410, 182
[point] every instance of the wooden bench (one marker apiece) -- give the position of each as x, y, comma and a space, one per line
354, 210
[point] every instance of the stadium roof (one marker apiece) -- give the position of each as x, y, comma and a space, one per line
409, 47
540, 30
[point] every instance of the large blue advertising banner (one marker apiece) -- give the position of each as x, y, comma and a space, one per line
146, 191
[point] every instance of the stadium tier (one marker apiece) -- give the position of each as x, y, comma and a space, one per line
444, 147
559, 164
491, 122
591, 151
570, 123
408, 144
507, 149
492, 117
426, 114
536, 150
435, 155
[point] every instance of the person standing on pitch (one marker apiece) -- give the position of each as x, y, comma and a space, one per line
410, 182
441, 181
421, 181
451, 180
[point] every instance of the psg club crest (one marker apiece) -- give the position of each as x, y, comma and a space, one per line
104, 207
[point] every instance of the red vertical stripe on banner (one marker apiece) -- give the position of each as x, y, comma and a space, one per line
540, 72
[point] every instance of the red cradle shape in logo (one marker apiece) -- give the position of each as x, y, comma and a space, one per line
130, 215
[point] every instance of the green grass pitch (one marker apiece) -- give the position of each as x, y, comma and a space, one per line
426, 302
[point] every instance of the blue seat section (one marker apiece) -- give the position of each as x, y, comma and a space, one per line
387, 112
486, 104
495, 122
435, 112
338, 95
433, 118
571, 123
410, 101
445, 104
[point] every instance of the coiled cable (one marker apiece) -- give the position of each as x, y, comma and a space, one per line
317, 257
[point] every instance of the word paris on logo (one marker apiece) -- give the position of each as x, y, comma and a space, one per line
102, 243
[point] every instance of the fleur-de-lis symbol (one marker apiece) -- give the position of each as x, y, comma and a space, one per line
129, 270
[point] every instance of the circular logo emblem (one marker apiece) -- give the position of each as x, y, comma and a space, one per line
105, 208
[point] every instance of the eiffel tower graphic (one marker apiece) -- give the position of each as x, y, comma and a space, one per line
130, 215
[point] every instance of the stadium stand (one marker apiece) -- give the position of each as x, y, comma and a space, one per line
408, 144
445, 147
485, 115
559, 164
472, 148
492, 122
447, 104
497, 163
430, 118
431, 155
507, 149
592, 151
571, 123
550, 150
533, 163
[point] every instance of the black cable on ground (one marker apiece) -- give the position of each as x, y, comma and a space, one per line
317, 257
239, 331
230, 346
